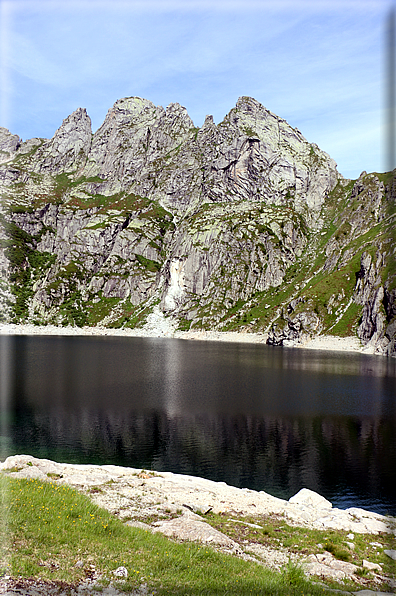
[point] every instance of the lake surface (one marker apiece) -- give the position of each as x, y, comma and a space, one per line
256, 416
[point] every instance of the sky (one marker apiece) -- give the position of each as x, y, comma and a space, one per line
320, 65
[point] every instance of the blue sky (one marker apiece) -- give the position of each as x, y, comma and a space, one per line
318, 64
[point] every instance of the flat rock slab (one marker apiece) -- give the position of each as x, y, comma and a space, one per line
188, 527
273, 558
133, 494
325, 565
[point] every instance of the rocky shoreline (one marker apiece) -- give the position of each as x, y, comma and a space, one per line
163, 327
176, 505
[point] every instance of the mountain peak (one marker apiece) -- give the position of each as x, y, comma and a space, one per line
241, 225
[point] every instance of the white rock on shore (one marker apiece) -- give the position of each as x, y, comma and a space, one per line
160, 326
133, 494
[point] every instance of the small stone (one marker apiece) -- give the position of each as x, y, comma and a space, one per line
79, 564
350, 545
121, 572
195, 509
391, 553
377, 544
350, 536
371, 566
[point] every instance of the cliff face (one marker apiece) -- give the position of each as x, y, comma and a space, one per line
243, 224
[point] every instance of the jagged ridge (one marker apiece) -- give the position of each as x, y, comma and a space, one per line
240, 225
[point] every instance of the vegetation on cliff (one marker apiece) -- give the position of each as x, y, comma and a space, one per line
244, 225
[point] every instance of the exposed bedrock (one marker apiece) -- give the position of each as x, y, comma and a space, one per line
241, 225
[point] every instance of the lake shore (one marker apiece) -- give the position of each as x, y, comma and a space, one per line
161, 328
188, 508
159, 490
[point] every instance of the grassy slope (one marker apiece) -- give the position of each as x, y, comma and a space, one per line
48, 527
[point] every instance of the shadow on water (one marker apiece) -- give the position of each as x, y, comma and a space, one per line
251, 415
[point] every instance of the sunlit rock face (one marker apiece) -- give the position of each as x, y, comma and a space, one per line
238, 225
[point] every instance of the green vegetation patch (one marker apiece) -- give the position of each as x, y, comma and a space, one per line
149, 264
249, 132
73, 310
349, 321
136, 316
84, 179
27, 265
184, 325
273, 531
96, 310
66, 293
48, 527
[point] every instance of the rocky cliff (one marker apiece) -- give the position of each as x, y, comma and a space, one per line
239, 225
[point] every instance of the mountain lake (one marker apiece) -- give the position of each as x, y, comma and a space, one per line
251, 415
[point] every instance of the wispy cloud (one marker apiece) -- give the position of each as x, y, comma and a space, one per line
317, 64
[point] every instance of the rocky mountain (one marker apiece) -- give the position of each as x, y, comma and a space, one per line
243, 225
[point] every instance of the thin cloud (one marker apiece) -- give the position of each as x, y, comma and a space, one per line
316, 64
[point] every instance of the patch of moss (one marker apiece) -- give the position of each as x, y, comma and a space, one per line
84, 179
149, 264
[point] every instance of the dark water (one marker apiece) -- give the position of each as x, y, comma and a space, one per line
253, 416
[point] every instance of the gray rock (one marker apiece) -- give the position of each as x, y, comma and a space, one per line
189, 528
9, 144
370, 593
371, 566
196, 509
68, 149
391, 553
325, 565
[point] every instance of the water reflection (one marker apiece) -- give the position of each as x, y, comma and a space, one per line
255, 416
337, 363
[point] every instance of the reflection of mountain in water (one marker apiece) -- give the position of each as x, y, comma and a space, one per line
250, 415
348, 460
